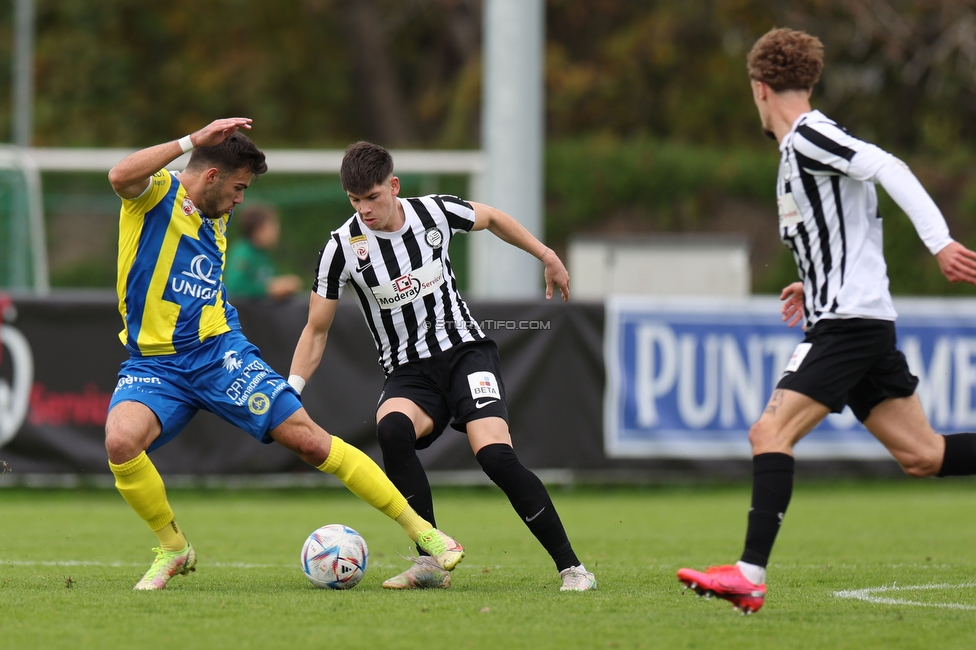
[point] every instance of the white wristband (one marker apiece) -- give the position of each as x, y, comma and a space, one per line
296, 382
186, 144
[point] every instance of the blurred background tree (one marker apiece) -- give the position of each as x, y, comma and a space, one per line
650, 122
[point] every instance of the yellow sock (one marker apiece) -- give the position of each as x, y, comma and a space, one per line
171, 538
366, 480
413, 523
142, 488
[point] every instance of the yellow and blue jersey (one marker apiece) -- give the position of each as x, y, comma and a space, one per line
171, 261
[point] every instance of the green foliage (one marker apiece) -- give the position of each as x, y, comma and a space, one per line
311, 207
322, 73
69, 558
640, 184
593, 184
649, 118
672, 69
111, 73
16, 253
779, 274
664, 186
91, 273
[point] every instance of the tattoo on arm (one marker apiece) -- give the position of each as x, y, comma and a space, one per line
774, 401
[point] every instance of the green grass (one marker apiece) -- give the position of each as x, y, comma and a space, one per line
248, 591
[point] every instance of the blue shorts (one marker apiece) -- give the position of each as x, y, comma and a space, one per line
225, 375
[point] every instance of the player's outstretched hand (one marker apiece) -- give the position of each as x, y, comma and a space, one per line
957, 263
215, 132
792, 309
556, 275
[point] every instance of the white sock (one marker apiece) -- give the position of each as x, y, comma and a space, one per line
753, 572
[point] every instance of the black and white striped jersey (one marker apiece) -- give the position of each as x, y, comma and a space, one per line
403, 280
829, 218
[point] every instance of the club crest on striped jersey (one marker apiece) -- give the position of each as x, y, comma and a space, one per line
188, 207
434, 237
360, 246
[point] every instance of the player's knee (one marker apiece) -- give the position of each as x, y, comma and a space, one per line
118, 447
304, 438
919, 465
761, 436
395, 431
497, 460
312, 448
121, 444
924, 458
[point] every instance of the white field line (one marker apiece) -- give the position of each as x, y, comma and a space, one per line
235, 565
868, 595
220, 565
780, 568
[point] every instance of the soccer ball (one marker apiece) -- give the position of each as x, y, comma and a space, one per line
335, 557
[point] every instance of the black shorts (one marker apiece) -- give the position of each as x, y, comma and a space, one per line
850, 361
453, 387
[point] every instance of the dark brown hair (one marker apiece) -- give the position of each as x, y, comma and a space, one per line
253, 217
786, 59
234, 153
364, 166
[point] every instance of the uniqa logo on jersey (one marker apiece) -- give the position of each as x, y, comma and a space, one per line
16, 374
201, 283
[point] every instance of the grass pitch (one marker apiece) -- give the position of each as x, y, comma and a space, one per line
862, 565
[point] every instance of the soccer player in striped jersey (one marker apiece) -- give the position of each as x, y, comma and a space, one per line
440, 367
828, 217
186, 350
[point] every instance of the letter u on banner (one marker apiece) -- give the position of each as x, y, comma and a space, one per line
692, 413
648, 386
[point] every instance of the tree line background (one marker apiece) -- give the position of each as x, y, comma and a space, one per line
649, 119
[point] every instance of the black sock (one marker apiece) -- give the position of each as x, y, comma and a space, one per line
530, 499
960, 455
397, 438
772, 487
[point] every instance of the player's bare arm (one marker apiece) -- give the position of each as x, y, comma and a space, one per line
792, 309
506, 228
957, 263
130, 177
311, 344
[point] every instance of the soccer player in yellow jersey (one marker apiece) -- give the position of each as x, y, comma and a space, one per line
186, 350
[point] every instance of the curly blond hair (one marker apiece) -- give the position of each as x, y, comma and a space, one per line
786, 59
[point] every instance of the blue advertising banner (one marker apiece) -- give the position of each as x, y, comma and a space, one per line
687, 378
